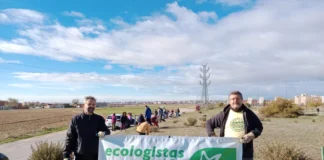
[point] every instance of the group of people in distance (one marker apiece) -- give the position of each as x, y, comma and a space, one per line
125, 120
145, 122
235, 120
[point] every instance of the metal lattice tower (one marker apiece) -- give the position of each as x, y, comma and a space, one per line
204, 83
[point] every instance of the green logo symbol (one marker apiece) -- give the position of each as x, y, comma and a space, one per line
215, 154
237, 124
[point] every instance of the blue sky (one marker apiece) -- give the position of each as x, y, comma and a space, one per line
152, 50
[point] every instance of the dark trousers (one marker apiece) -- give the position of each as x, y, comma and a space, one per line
161, 118
149, 121
86, 157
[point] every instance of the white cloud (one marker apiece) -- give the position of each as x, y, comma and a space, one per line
269, 42
15, 15
108, 67
20, 85
201, 1
234, 2
205, 16
120, 22
9, 61
73, 14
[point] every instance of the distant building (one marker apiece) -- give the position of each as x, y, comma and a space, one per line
3, 103
249, 100
252, 102
261, 100
304, 99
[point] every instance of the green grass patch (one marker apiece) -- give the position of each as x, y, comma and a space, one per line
30, 135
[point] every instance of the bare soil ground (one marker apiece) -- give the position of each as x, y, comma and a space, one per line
16, 124
306, 132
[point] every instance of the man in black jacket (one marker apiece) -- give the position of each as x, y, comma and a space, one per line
84, 132
236, 120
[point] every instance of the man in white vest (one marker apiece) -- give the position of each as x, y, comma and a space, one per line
236, 120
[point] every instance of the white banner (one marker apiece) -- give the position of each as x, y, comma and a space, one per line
140, 147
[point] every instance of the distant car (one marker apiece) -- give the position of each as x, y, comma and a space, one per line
118, 122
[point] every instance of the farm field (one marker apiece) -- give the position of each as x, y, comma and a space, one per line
21, 124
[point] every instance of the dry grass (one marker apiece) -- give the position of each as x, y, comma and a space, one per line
191, 121
15, 123
305, 134
203, 124
46, 150
282, 151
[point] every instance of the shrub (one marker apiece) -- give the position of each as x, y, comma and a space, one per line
203, 124
210, 106
45, 150
191, 121
247, 105
220, 104
281, 108
276, 150
313, 120
204, 118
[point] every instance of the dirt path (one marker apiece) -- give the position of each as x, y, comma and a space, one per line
21, 150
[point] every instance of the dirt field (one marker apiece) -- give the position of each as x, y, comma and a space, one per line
14, 123
19, 124
301, 132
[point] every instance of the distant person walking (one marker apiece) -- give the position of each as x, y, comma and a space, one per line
177, 111
148, 114
140, 119
84, 132
155, 121
236, 120
113, 122
161, 113
124, 121
156, 112
318, 110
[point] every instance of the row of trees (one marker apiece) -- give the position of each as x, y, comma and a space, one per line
12, 103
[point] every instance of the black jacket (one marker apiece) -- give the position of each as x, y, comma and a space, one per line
123, 119
251, 124
82, 136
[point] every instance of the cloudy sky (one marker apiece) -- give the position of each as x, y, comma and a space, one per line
152, 50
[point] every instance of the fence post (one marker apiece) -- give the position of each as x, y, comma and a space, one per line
322, 153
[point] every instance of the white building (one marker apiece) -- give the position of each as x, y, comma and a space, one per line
249, 100
261, 100
304, 99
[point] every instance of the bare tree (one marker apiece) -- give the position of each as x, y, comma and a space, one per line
12, 102
75, 102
